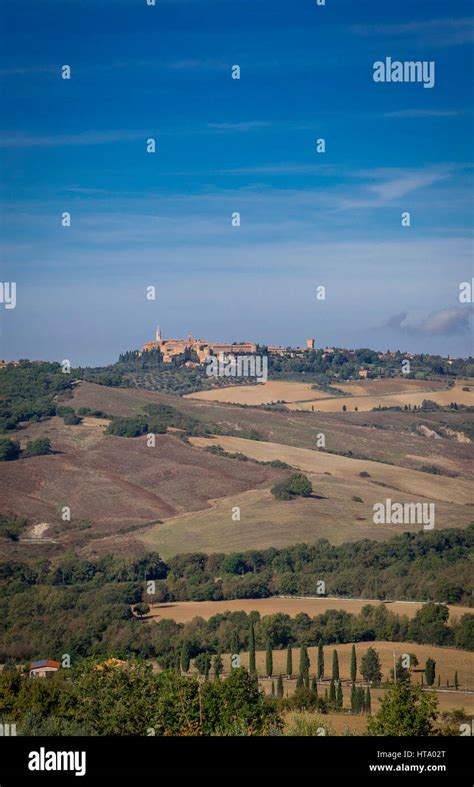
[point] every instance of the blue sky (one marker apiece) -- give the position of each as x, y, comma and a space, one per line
224, 145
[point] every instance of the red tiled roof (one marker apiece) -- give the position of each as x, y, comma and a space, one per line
44, 663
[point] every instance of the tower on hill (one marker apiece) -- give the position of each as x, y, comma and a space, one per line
158, 334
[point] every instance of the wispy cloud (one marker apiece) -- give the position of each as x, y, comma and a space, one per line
442, 32
392, 186
62, 140
29, 70
244, 125
196, 64
425, 113
399, 187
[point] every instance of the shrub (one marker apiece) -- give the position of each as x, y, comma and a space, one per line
127, 427
11, 526
307, 725
297, 485
39, 447
9, 450
71, 419
405, 710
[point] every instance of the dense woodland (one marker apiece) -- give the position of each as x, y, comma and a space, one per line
83, 607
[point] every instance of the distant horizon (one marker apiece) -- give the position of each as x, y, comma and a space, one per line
317, 347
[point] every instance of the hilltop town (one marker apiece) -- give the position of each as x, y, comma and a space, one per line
203, 349
336, 362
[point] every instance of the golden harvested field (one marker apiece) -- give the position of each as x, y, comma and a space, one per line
184, 611
391, 392
367, 402
263, 393
393, 385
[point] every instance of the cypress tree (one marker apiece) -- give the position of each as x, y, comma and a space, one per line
368, 701
339, 696
314, 686
308, 664
302, 659
273, 688
326, 698
252, 667
456, 682
353, 698
218, 665
269, 660
289, 661
280, 687
304, 665
235, 643
430, 668
332, 692
361, 699
353, 664
177, 661
206, 667
320, 661
300, 682
185, 657
335, 666
356, 700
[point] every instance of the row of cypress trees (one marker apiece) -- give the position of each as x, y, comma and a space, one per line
304, 660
